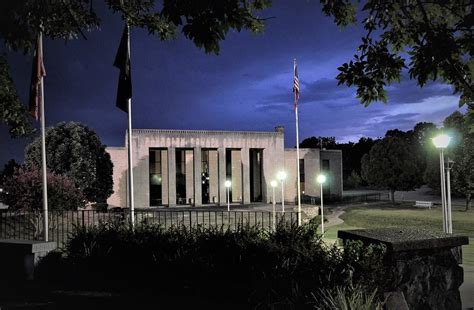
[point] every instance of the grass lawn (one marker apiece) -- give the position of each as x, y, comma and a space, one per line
407, 215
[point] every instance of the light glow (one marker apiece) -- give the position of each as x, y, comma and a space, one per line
273, 183
281, 175
227, 183
441, 141
321, 179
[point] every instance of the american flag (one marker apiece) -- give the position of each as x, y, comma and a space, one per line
37, 74
296, 86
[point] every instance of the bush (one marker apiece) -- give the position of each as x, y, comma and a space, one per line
249, 265
347, 298
25, 191
353, 181
100, 206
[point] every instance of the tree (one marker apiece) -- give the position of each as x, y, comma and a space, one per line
205, 23
462, 153
319, 143
436, 36
8, 170
391, 164
353, 181
24, 191
74, 150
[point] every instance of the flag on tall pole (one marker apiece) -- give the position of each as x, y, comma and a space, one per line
36, 109
296, 91
124, 102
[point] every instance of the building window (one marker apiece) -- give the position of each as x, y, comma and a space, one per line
326, 170
256, 175
180, 176
302, 181
205, 177
156, 177
233, 162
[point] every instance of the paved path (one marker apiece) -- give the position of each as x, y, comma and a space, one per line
334, 219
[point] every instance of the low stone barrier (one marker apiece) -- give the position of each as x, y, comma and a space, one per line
423, 269
19, 257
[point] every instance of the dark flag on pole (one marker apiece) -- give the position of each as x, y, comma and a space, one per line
122, 62
37, 74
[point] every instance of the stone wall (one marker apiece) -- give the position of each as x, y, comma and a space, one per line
423, 267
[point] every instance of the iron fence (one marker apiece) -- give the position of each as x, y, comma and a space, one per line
333, 199
28, 225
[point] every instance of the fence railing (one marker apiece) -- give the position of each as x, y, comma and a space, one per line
28, 225
369, 197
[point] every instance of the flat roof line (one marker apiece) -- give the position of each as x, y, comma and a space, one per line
186, 131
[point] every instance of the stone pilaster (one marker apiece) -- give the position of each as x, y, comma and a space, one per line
222, 177
245, 157
197, 177
171, 176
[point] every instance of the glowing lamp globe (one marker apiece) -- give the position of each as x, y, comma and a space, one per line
441, 141
281, 175
321, 178
273, 183
227, 183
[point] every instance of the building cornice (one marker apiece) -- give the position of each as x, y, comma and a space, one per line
205, 132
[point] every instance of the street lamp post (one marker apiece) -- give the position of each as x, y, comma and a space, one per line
228, 184
441, 142
449, 165
274, 184
282, 176
321, 179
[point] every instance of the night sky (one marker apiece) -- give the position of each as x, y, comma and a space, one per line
247, 87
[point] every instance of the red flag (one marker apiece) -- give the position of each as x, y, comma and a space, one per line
37, 74
296, 86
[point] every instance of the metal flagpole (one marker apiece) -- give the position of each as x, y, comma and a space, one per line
130, 158
297, 150
43, 148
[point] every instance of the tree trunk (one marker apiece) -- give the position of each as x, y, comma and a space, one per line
468, 201
392, 196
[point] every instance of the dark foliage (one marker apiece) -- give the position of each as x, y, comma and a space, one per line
24, 191
205, 23
248, 266
75, 150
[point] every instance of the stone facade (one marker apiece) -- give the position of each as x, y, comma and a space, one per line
179, 162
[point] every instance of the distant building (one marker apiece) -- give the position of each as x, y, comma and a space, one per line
189, 167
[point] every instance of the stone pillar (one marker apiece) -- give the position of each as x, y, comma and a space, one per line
164, 177
197, 177
422, 267
171, 177
222, 177
245, 157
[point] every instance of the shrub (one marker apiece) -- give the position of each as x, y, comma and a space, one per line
100, 206
25, 191
347, 298
248, 265
353, 181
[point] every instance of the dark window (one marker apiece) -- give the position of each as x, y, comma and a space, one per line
256, 173
326, 170
302, 180
155, 177
205, 176
180, 176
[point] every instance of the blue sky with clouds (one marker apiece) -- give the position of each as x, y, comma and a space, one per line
248, 86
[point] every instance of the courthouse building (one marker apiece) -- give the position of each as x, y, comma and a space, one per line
190, 167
